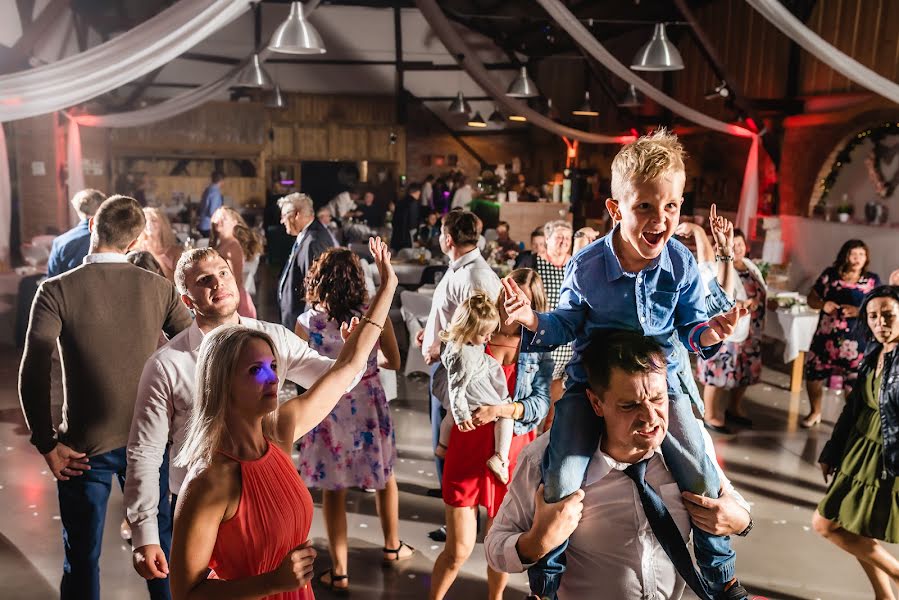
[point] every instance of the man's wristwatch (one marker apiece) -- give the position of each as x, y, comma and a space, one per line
746, 531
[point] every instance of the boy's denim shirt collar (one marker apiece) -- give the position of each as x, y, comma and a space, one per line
613, 264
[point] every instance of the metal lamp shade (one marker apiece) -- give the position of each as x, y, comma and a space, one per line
659, 54
459, 106
496, 116
631, 98
295, 35
585, 110
254, 76
275, 99
522, 86
477, 121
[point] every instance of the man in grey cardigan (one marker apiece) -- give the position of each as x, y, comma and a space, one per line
105, 317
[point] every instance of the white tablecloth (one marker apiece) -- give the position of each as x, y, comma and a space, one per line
794, 329
408, 273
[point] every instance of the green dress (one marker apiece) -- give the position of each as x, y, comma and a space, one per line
858, 499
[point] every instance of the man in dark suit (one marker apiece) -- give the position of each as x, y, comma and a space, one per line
313, 238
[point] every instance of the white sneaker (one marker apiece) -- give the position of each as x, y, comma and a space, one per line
499, 467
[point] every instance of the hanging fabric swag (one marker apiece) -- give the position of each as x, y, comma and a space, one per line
147, 47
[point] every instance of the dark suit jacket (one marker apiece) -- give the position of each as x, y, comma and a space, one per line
291, 290
526, 260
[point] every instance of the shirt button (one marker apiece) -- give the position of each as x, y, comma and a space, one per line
539, 341
642, 319
542, 332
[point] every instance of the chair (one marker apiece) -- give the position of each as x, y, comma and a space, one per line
362, 250
415, 310
429, 275
388, 382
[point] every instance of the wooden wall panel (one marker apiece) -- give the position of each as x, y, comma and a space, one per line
282, 143
347, 142
224, 124
42, 202
866, 30
312, 143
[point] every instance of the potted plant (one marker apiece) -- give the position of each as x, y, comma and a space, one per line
844, 211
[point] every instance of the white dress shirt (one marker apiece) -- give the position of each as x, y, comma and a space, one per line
462, 197
165, 398
341, 204
427, 194
613, 554
467, 274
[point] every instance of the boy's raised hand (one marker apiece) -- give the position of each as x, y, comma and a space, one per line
722, 326
518, 306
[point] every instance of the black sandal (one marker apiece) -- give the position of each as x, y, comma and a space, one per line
396, 552
334, 578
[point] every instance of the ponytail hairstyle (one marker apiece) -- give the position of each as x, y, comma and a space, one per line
477, 315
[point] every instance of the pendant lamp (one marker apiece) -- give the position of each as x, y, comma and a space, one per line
522, 86
496, 116
275, 99
659, 54
631, 98
459, 106
254, 76
296, 35
477, 121
585, 110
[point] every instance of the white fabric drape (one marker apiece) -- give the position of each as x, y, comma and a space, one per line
475, 69
5, 202
796, 30
145, 48
749, 193
749, 190
168, 108
74, 164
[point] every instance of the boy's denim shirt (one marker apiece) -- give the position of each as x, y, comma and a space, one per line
665, 297
534, 374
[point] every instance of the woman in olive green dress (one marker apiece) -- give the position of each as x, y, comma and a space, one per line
862, 503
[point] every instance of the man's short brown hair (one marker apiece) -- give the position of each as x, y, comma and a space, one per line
88, 201
630, 351
118, 222
462, 226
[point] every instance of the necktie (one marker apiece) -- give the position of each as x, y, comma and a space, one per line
666, 531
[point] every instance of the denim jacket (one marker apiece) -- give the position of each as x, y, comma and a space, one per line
888, 399
535, 372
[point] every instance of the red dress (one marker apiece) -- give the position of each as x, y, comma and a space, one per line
273, 518
466, 479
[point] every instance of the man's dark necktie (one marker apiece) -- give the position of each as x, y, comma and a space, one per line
666, 531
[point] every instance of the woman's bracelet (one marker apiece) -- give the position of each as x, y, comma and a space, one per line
367, 320
720, 258
516, 407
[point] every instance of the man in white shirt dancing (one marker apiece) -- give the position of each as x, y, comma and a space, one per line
619, 546
166, 392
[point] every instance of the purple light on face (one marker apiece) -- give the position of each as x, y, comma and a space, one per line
266, 374
287, 182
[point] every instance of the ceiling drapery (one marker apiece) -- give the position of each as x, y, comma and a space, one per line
101, 69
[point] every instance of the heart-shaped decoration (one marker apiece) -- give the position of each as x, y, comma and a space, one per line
886, 166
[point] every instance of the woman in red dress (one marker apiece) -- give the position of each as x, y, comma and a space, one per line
244, 512
467, 482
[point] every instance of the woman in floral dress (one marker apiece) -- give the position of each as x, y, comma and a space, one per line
837, 347
738, 364
355, 445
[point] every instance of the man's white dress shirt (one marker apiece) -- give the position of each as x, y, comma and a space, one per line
164, 402
341, 204
613, 554
465, 275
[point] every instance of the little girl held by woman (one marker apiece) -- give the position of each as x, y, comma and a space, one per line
475, 378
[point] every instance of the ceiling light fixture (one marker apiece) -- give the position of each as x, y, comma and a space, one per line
631, 98
459, 106
296, 35
496, 116
253, 75
275, 99
518, 118
585, 110
721, 91
659, 53
477, 121
522, 86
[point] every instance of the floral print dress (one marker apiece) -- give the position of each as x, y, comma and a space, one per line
355, 445
739, 364
837, 347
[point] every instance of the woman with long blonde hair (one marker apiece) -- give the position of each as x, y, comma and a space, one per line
244, 511
240, 246
159, 239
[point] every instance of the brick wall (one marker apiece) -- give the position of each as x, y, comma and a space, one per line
42, 203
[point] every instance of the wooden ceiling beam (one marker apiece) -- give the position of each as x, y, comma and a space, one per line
17, 57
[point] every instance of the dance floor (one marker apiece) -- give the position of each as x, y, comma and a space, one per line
774, 465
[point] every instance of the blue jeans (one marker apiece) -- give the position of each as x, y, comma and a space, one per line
82, 509
437, 414
568, 455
